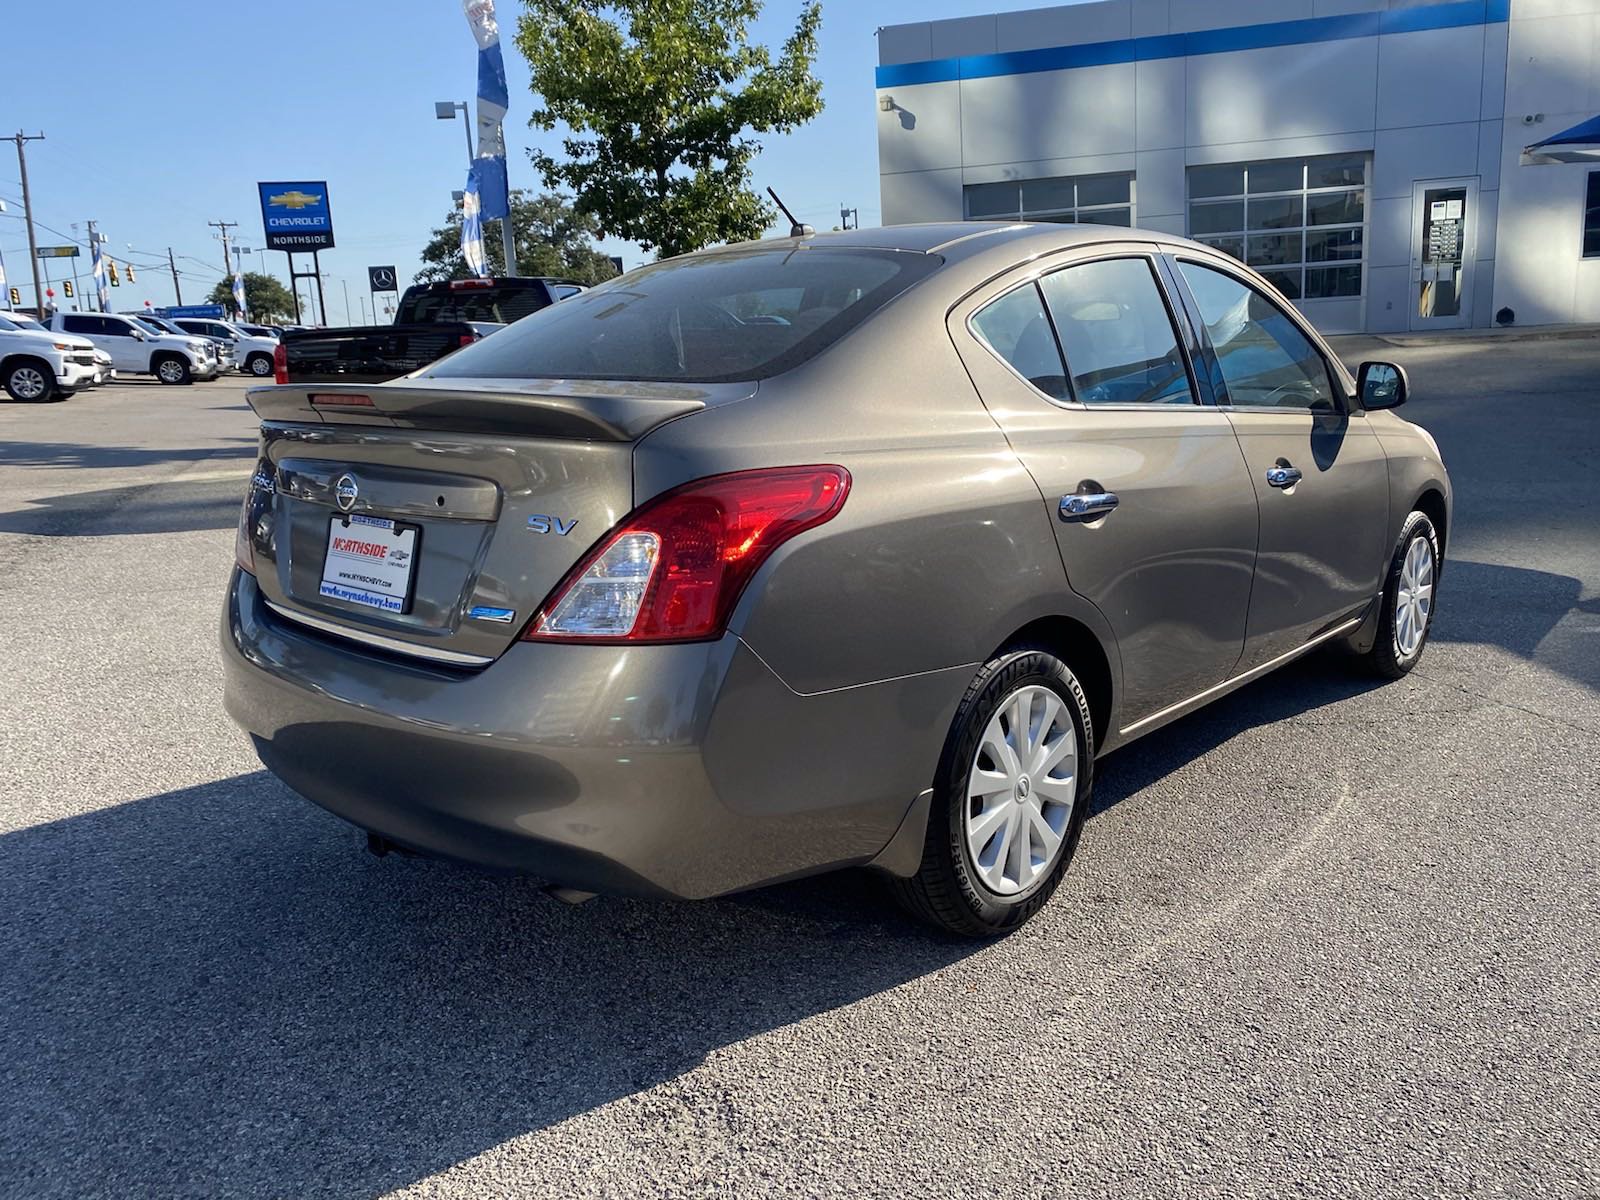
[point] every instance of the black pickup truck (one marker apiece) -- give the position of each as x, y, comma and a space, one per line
432, 320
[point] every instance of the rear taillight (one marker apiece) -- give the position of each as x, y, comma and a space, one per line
673, 570
468, 338
471, 285
280, 364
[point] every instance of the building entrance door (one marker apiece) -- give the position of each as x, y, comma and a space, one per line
1443, 242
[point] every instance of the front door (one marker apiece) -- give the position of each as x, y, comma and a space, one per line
1443, 240
116, 338
1319, 472
1164, 540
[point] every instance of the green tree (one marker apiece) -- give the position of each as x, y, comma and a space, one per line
266, 298
661, 97
552, 239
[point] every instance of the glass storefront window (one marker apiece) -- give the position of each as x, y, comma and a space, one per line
1090, 199
1300, 221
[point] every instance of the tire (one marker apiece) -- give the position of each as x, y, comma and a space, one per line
1406, 616
172, 369
29, 380
990, 890
259, 365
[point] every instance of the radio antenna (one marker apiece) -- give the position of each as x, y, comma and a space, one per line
796, 229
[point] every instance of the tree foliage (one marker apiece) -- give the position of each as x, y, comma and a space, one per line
661, 97
266, 298
552, 239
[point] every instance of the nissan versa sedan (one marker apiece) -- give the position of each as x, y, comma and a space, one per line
816, 552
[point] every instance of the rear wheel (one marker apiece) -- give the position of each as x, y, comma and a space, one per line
29, 379
1010, 798
1406, 617
259, 365
170, 368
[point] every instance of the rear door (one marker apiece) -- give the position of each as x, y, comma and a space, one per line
1120, 428
1319, 473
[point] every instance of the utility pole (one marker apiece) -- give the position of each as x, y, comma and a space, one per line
227, 258
172, 263
21, 139
849, 218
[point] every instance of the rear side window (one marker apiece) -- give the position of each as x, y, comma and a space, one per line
1016, 328
739, 315
1265, 360
1116, 333
80, 324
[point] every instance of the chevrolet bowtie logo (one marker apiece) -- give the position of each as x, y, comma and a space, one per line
294, 199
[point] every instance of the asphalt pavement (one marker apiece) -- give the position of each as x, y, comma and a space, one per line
1324, 938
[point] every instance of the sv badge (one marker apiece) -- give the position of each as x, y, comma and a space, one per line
539, 523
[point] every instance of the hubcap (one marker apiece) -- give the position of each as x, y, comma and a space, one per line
1414, 599
261, 367
1021, 789
170, 371
28, 382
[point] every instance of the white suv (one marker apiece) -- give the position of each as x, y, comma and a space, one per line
36, 365
139, 350
251, 353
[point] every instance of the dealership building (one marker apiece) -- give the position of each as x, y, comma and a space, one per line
1391, 166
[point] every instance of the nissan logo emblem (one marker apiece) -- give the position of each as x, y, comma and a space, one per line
345, 492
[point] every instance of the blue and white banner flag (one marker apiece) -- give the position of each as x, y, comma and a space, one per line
238, 295
493, 98
472, 228
102, 290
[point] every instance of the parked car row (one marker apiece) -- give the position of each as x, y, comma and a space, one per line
70, 351
39, 364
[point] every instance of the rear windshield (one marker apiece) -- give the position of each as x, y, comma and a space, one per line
497, 302
707, 319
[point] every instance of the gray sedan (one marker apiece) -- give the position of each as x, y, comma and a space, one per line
817, 552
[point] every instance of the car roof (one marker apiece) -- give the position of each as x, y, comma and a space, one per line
983, 245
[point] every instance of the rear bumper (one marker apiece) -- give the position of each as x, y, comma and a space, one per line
672, 771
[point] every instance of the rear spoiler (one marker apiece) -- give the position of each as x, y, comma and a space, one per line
582, 409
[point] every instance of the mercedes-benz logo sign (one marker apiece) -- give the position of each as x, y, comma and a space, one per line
383, 279
345, 492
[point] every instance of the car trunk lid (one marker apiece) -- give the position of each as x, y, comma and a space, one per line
432, 517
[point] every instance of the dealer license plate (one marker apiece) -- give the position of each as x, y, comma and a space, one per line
370, 561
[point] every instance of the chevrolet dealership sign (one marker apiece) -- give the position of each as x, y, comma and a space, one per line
296, 216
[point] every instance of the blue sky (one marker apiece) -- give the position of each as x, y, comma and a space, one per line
183, 106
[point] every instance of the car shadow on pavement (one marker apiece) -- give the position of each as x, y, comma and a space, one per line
1523, 611
177, 507
214, 991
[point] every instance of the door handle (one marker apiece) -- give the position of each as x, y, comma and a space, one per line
1283, 475
1086, 506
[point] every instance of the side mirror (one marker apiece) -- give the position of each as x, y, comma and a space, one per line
1381, 385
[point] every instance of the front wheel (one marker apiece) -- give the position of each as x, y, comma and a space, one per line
29, 379
1009, 800
172, 369
1406, 617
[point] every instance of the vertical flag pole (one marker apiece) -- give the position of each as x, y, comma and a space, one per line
488, 170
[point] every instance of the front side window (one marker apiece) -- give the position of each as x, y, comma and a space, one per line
115, 327
1016, 328
1300, 221
1116, 334
1082, 199
1591, 217
1265, 360
713, 318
